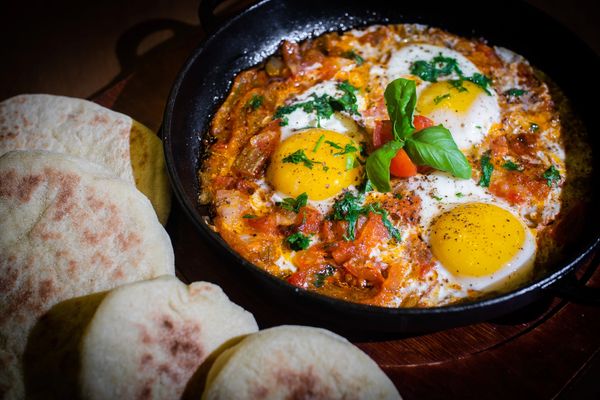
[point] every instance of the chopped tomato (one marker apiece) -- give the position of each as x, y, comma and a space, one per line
266, 224
308, 220
420, 122
401, 165
382, 133
308, 262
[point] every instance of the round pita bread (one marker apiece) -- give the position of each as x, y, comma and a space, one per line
68, 228
87, 130
147, 339
296, 362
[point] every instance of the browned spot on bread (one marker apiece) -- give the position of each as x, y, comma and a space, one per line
146, 358
45, 290
146, 392
303, 384
20, 187
91, 238
100, 119
127, 241
67, 185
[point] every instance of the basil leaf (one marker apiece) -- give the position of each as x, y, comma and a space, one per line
401, 100
378, 165
435, 147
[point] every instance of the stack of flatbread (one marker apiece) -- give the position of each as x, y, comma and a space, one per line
75, 214
90, 307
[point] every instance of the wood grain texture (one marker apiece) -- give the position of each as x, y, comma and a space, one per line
543, 351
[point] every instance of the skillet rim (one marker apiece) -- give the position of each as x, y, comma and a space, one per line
540, 284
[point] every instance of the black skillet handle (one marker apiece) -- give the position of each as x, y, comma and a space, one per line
210, 19
572, 289
575, 290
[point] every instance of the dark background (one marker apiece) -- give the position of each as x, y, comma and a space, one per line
68, 47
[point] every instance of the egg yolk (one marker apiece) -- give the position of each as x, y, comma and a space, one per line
317, 162
444, 95
476, 239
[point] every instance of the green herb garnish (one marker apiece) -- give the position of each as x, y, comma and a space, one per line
432, 70
298, 157
292, 204
248, 216
515, 92
333, 144
349, 208
318, 143
459, 195
347, 149
431, 146
298, 241
551, 175
440, 66
511, 166
255, 102
323, 106
440, 98
486, 169
321, 276
352, 55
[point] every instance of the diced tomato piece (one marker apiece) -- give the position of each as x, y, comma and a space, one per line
420, 122
266, 224
308, 262
308, 220
383, 129
382, 133
401, 165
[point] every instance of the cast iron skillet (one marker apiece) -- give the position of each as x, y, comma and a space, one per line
246, 39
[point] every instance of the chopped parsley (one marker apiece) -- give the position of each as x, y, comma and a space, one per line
255, 102
349, 208
431, 70
486, 169
352, 55
333, 144
321, 276
515, 92
298, 241
438, 198
511, 166
323, 106
551, 175
398, 196
533, 127
248, 216
318, 143
298, 157
292, 204
459, 194
440, 66
347, 149
440, 98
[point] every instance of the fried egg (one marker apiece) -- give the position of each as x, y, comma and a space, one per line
326, 163
478, 241
463, 107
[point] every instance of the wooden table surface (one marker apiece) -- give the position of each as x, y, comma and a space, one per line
549, 350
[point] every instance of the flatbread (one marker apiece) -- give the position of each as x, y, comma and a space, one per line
85, 129
296, 362
148, 339
68, 227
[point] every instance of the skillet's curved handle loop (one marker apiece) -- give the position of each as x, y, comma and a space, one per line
577, 291
206, 13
